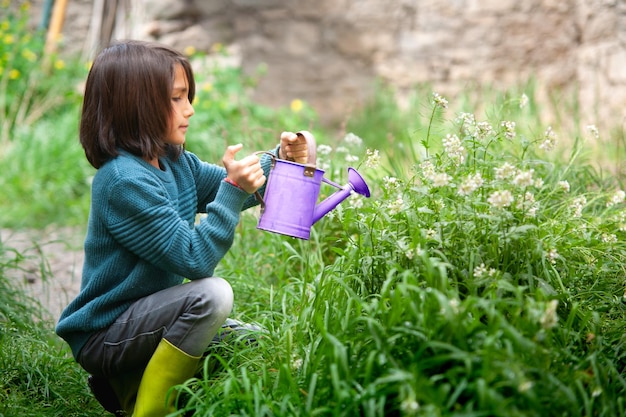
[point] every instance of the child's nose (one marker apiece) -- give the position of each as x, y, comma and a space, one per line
189, 111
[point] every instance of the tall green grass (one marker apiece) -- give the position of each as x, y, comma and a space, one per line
37, 375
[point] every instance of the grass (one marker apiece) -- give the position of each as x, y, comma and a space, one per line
484, 277
37, 375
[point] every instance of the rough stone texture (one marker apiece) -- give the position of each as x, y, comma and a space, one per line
328, 52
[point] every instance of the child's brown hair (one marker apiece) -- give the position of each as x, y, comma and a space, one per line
127, 102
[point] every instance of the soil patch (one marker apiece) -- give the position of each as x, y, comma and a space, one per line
46, 263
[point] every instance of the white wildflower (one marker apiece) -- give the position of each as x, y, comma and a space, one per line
525, 386
296, 362
549, 140
564, 185
529, 197
550, 318
431, 234
351, 158
467, 122
577, 206
594, 131
324, 149
552, 256
391, 183
500, 199
353, 140
373, 158
617, 198
355, 201
428, 170
396, 205
506, 171
484, 129
324, 165
532, 211
480, 271
441, 179
509, 129
438, 100
523, 101
454, 149
409, 406
609, 238
342, 149
523, 178
527, 204
471, 184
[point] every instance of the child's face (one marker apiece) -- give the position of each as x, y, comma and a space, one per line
182, 109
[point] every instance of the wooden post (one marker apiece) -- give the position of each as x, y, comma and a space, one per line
56, 25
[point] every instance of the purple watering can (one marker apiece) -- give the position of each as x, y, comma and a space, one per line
292, 190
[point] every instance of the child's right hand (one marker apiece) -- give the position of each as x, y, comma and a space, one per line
246, 173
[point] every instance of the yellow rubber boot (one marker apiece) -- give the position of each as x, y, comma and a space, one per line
168, 366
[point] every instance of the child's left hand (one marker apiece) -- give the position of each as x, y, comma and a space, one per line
293, 147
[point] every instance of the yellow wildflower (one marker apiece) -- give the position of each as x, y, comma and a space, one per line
190, 50
296, 105
59, 64
29, 55
14, 74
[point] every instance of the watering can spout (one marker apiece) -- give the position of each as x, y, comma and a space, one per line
356, 183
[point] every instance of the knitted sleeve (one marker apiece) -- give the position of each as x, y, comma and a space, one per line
143, 218
205, 175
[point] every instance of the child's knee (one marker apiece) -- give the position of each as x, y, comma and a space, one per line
219, 296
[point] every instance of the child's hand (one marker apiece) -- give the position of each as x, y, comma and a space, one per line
246, 173
294, 147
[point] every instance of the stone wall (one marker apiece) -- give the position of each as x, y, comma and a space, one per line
329, 52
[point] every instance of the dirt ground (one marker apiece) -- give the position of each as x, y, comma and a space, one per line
49, 264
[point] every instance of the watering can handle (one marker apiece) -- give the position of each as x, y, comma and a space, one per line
311, 146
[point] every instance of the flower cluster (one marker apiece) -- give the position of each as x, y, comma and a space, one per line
500, 199
577, 206
481, 271
549, 140
439, 101
618, 197
509, 129
454, 148
373, 158
471, 183
467, 184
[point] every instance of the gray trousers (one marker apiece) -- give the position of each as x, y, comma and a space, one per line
187, 315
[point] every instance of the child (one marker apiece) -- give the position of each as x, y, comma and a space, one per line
134, 325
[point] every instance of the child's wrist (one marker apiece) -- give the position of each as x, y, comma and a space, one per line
232, 182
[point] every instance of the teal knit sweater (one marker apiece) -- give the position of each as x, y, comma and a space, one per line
142, 238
